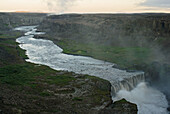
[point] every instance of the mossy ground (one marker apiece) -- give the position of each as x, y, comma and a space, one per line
12, 34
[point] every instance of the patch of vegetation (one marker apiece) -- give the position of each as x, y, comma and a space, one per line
22, 74
21, 53
7, 41
123, 56
77, 99
10, 52
14, 70
122, 101
45, 94
13, 34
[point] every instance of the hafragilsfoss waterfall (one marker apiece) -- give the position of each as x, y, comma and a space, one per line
131, 86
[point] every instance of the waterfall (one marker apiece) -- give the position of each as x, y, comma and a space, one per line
127, 83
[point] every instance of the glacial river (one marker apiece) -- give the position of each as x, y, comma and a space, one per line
130, 86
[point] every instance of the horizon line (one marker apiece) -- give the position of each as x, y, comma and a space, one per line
29, 12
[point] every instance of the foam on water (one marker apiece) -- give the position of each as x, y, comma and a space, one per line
148, 100
45, 52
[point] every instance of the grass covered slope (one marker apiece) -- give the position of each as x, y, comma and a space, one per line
10, 53
125, 57
35, 89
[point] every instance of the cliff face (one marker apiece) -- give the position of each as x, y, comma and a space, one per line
115, 30
10, 20
120, 107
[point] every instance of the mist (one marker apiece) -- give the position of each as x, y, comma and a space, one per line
149, 100
59, 6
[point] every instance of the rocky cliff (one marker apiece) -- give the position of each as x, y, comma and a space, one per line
10, 20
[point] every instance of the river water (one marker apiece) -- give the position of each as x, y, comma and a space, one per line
130, 86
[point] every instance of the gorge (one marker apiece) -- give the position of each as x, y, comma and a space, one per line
128, 85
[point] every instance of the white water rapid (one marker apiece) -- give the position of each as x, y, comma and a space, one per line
130, 86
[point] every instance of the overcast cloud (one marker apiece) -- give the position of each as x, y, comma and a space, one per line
156, 3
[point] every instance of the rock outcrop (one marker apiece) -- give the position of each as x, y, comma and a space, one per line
120, 107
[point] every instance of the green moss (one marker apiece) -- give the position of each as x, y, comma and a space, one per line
12, 54
8, 41
45, 93
13, 34
3, 36
27, 73
59, 80
77, 99
21, 53
121, 101
15, 75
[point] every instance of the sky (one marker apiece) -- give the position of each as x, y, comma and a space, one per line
85, 6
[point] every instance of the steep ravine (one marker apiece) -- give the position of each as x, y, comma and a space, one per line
47, 53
